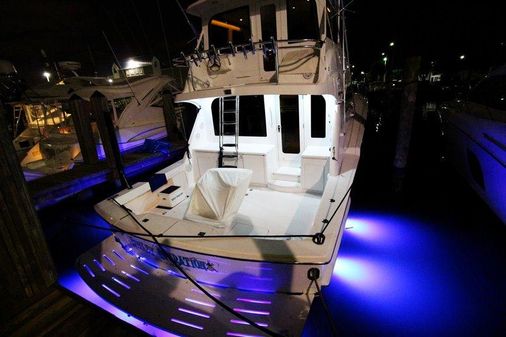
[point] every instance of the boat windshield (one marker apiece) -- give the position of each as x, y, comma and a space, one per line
230, 26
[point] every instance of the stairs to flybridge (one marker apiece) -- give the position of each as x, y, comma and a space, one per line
286, 179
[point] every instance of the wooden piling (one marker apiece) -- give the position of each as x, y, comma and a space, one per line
27, 270
80, 110
107, 131
407, 112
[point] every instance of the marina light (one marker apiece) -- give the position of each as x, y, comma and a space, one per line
382, 54
47, 75
392, 44
385, 59
131, 63
362, 73
109, 80
462, 57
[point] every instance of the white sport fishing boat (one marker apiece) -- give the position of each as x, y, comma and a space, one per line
50, 139
236, 238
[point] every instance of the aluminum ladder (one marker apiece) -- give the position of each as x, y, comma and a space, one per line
228, 131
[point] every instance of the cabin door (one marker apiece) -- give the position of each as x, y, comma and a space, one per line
290, 128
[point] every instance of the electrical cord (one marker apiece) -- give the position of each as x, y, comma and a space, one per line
195, 283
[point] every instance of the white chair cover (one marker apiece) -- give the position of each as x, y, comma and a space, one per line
218, 195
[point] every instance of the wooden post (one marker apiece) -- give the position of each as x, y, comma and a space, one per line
80, 111
26, 266
107, 131
407, 112
174, 135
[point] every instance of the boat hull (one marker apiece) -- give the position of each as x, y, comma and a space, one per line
165, 299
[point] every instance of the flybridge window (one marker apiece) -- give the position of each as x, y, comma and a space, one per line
302, 20
251, 116
231, 26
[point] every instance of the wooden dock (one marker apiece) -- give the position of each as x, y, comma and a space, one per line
51, 189
60, 314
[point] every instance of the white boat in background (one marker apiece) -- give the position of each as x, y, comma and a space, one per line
476, 133
135, 107
236, 238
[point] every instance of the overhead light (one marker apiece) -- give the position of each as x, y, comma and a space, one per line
47, 75
385, 59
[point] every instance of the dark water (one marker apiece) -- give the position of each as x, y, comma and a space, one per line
422, 255
428, 260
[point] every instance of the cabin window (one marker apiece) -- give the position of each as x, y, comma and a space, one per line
332, 25
290, 131
302, 20
231, 26
318, 117
120, 105
269, 30
491, 93
251, 116
188, 113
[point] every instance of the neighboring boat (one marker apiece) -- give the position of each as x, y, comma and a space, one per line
476, 133
136, 110
236, 238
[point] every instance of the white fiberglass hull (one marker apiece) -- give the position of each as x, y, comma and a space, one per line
153, 291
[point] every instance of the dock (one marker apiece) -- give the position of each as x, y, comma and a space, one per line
52, 189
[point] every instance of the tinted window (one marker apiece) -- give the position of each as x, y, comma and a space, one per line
491, 92
332, 24
251, 116
318, 117
269, 30
188, 115
232, 26
302, 20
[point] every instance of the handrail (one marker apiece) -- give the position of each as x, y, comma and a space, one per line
263, 46
273, 46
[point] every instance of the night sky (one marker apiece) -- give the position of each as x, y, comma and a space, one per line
439, 31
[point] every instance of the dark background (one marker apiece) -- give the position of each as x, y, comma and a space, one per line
439, 31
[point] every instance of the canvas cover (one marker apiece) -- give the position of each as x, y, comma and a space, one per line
218, 195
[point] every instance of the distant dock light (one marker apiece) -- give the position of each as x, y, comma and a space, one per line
462, 57
47, 75
392, 44
109, 80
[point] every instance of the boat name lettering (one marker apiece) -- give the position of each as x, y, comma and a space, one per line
192, 262
183, 261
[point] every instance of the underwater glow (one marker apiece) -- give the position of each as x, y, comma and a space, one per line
390, 271
74, 283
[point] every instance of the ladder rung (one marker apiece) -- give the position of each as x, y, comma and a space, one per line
229, 145
229, 156
228, 166
229, 123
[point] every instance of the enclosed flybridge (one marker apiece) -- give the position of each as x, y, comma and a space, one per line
236, 238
